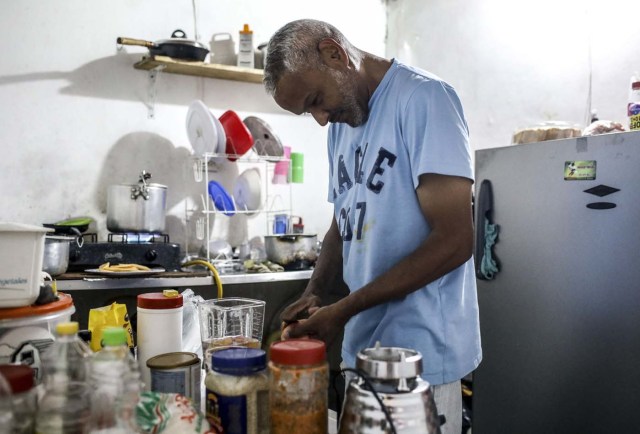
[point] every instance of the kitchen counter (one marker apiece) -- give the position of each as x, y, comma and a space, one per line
86, 281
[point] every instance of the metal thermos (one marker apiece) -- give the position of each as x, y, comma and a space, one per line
394, 375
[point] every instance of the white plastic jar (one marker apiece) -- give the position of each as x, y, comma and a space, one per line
159, 327
238, 391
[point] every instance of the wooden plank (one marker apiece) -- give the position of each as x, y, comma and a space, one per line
200, 69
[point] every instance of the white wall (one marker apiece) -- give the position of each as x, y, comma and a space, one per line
74, 115
517, 63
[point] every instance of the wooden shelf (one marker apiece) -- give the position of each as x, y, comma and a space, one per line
200, 69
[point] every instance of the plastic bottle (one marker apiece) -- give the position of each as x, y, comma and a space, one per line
115, 384
633, 106
245, 48
65, 405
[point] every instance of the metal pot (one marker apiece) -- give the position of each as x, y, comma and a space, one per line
56, 254
177, 47
292, 251
137, 207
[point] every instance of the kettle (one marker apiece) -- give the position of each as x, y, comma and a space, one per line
388, 395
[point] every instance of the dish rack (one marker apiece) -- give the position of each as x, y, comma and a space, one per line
275, 198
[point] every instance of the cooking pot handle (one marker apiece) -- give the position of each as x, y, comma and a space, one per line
131, 41
288, 238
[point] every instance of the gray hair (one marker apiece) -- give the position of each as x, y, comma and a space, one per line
295, 47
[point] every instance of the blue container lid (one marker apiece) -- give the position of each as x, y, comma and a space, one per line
239, 361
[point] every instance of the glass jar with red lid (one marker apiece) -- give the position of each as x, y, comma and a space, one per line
298, 390
20, 397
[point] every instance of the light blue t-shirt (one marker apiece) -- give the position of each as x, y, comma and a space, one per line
416, 125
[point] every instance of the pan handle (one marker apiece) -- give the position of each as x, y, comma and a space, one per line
131, 41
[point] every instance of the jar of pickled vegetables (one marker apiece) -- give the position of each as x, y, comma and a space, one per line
298, 389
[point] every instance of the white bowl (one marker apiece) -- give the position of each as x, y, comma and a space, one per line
247, 191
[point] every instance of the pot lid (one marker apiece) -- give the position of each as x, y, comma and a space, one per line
180, 37
52, 309
389, 363
265, 141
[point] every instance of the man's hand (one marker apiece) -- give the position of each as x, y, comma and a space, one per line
300, 309
325, 324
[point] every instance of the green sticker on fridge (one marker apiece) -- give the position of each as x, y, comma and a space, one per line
584, 170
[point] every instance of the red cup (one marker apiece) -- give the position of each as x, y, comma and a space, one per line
239, 138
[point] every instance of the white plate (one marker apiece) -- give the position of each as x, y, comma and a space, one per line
201, 129
247, 191
124, 273
222, 136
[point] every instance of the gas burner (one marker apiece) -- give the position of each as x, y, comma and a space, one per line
152, 250
137, 238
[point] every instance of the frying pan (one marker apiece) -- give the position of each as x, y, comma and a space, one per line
178, 47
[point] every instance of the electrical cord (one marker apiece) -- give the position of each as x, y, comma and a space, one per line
369, 386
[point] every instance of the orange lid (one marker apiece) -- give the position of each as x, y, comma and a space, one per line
64, 302
298, 352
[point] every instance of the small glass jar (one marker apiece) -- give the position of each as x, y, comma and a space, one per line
298, 391
20, 379
237, 400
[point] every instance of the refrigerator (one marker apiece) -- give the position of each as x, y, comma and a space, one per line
558, 271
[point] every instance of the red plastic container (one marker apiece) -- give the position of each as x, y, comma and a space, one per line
239, 138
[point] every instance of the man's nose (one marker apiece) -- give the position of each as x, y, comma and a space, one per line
321, 116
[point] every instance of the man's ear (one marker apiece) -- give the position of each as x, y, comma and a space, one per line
332, 53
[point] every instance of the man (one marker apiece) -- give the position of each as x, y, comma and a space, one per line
401, 184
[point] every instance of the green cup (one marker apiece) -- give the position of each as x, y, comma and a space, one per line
297, 167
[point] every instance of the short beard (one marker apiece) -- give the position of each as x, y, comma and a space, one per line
357, 114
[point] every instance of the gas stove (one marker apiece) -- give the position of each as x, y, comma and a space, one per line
152, 250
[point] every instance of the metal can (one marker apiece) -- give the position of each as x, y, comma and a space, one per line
176, 373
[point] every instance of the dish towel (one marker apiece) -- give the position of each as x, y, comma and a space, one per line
488, 265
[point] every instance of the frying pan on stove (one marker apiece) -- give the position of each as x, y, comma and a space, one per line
177, 47
74, 226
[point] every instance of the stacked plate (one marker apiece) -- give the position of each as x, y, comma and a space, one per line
204, 130
247, 191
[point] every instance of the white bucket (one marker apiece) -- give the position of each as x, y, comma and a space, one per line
21, 257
